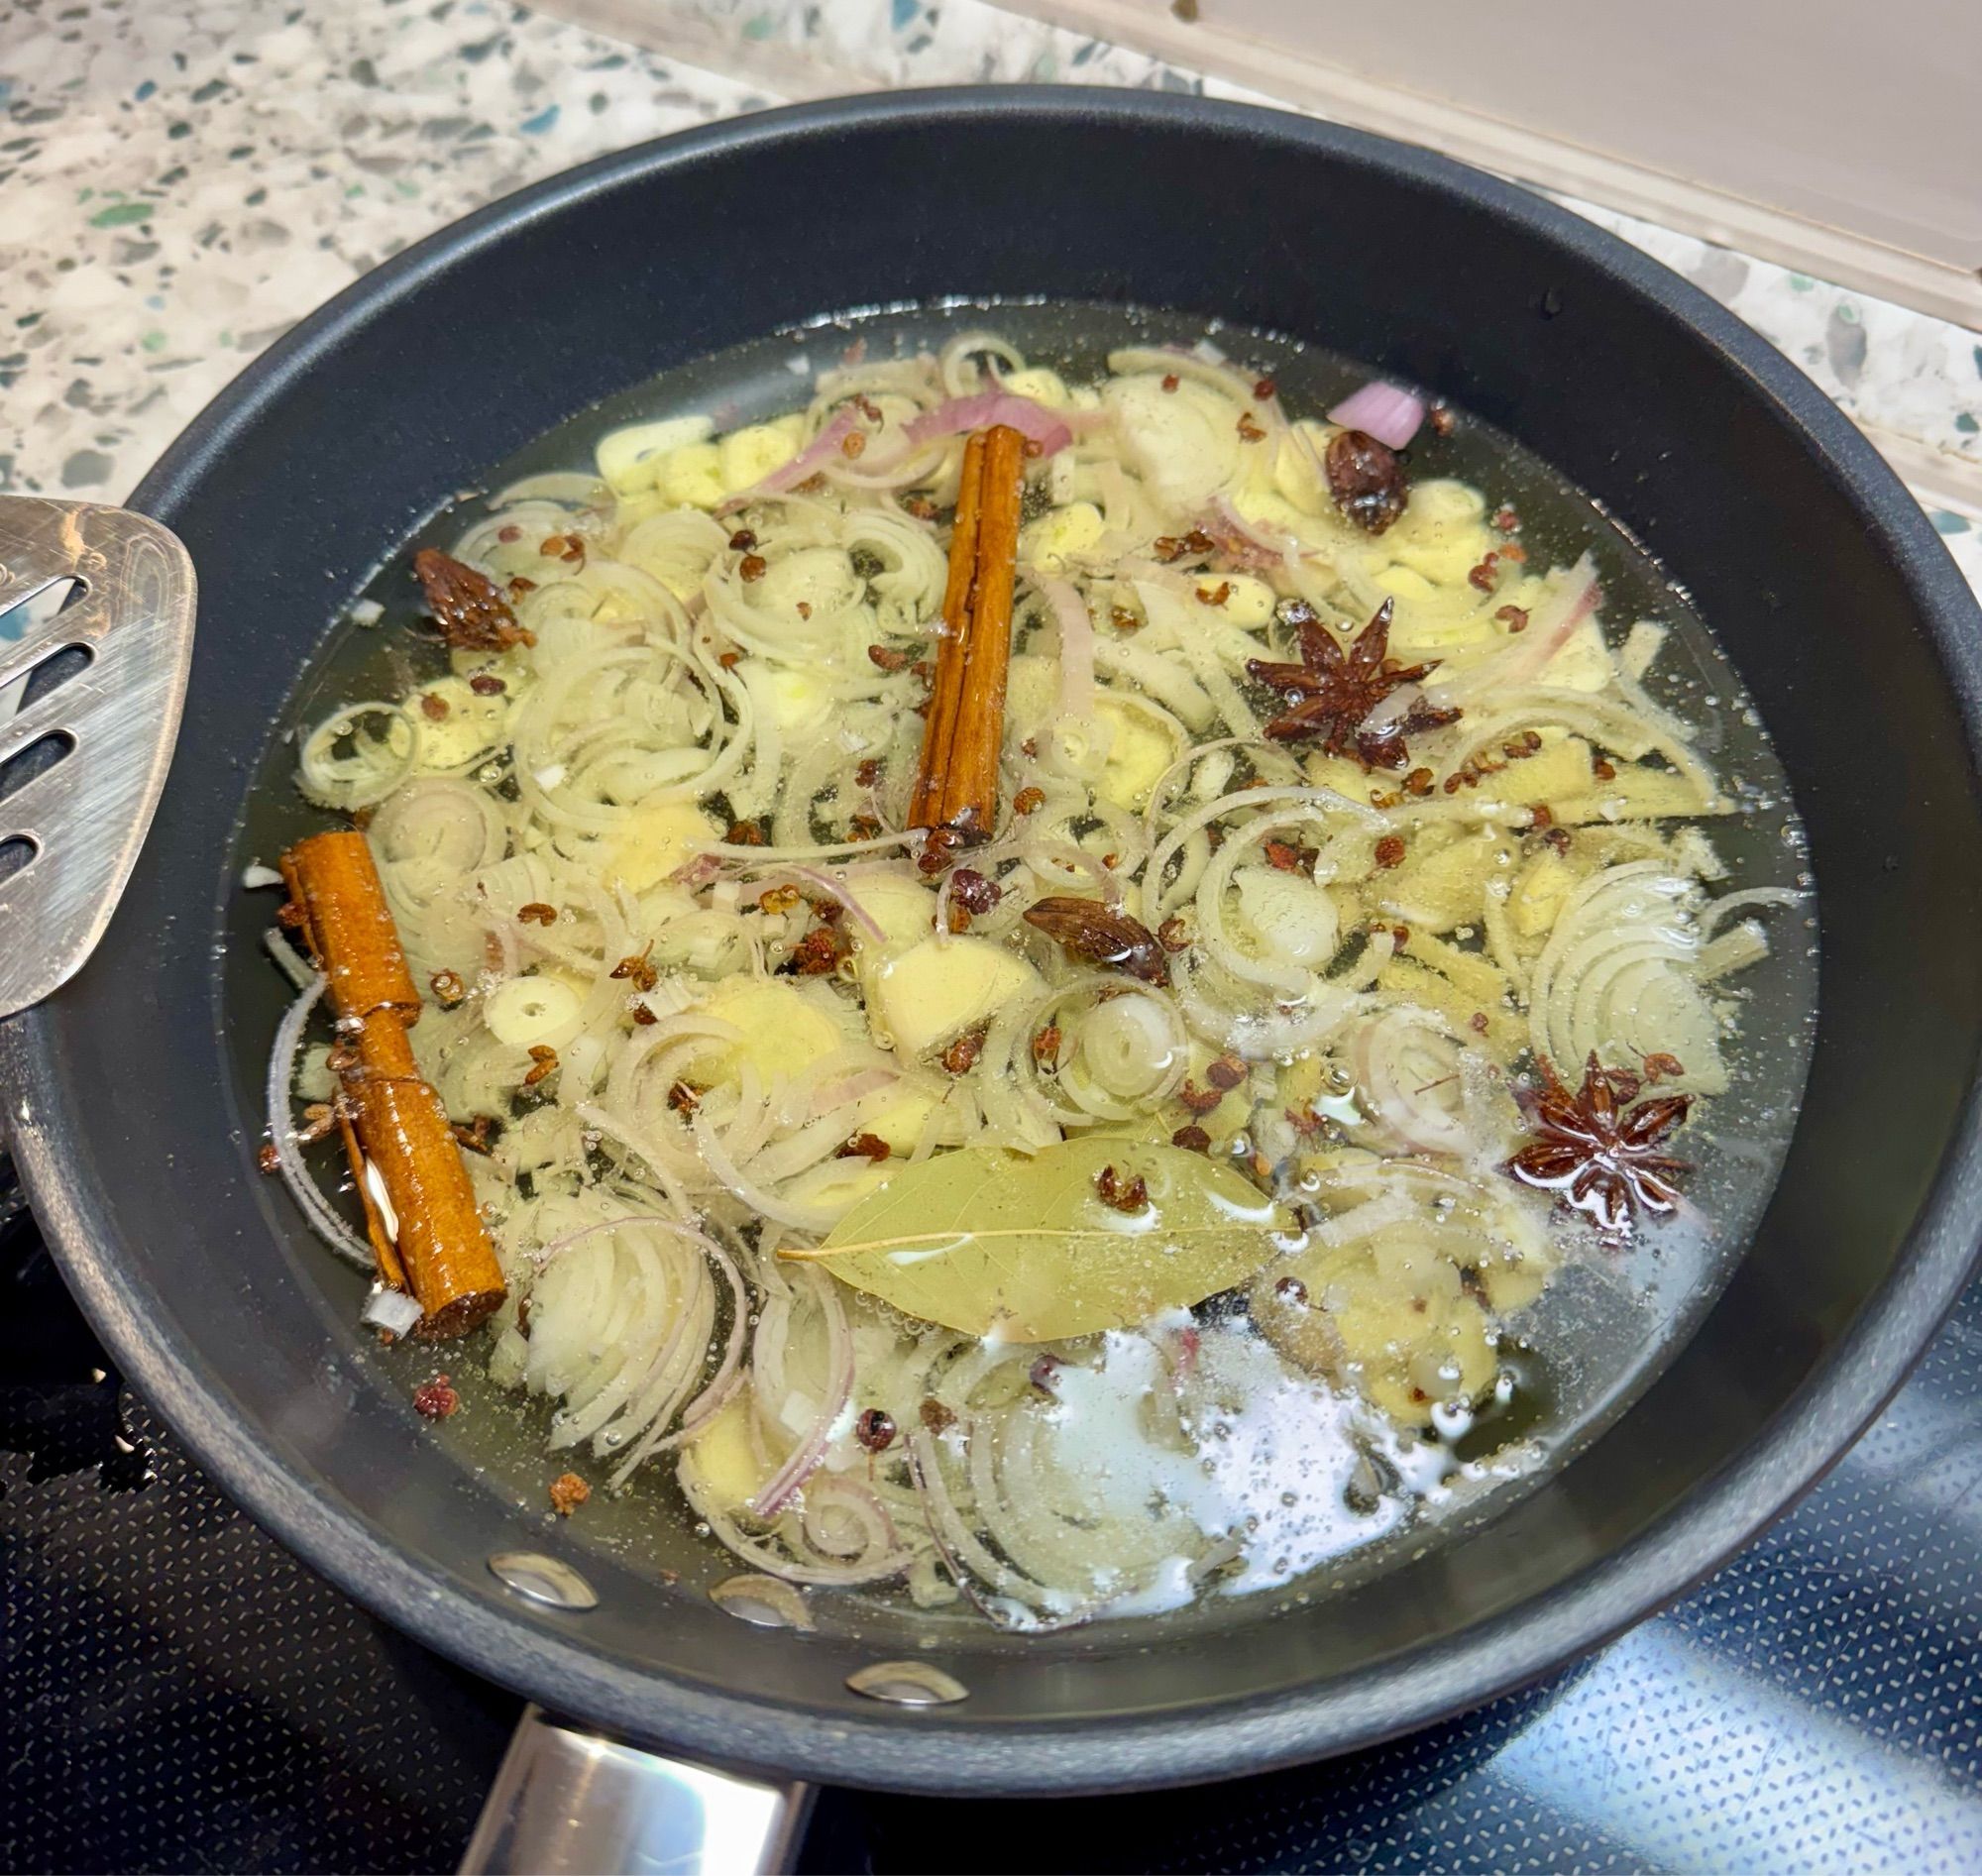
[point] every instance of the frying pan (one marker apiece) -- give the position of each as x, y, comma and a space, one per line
131, 1094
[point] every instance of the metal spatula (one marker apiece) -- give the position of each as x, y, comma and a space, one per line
89, 708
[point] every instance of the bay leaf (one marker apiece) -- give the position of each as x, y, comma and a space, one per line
1024, 1248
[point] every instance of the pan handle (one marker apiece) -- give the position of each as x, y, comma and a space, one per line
569, 1802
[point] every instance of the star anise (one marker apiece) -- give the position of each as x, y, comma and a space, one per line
1597, 1154
467, 607
1333, 690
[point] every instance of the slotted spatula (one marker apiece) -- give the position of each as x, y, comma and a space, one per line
89, 708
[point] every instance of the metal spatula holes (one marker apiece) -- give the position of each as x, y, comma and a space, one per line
90, 707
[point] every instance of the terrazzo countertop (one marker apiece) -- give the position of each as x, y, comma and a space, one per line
182, 183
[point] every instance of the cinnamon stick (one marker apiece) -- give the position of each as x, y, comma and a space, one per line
956, 779
926, 800
420, 1212
349, 927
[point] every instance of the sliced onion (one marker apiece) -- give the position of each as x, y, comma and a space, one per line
573, 486
955, 363
708, 1404
1076, 646
294, 965
1573, 600
747, 859
831, 1491
822, 449
375, 766
1244, 543
1159, 678
831, 1095
649, 1399
447, 825
965, 1557
1272, 966
825, 883
1049, 429
755, 1193
777, 1491
1282, 1030
731, 1536
1618, 973
617, 1352
1057, 862
1324, 801
1403, 1059
1263, 755
281, 1131
1134, 1047
1386, 411
1201, 363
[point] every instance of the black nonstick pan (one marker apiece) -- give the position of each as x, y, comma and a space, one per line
132, 1095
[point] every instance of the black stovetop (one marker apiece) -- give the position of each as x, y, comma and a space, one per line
182, 1695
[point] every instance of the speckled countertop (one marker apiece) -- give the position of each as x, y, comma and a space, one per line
182, 183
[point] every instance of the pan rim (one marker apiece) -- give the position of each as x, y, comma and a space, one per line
929, 1753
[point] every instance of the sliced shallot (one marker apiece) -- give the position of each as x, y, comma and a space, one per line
1388, 412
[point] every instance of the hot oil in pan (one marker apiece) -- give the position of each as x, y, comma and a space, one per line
1566, 1367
